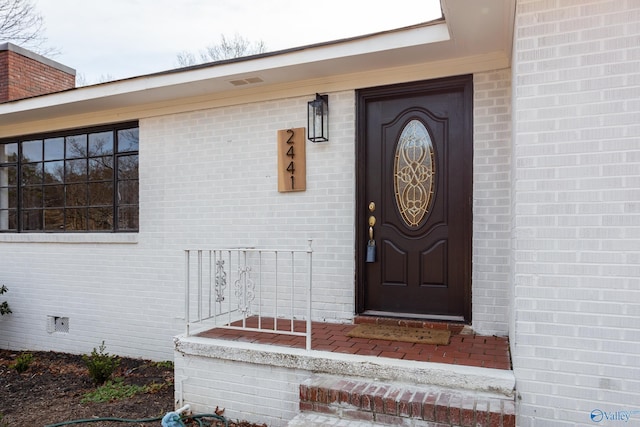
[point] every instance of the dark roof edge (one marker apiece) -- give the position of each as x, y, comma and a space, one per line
7, 46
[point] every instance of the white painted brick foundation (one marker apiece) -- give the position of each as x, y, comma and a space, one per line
261, 383
576, 214
256, 393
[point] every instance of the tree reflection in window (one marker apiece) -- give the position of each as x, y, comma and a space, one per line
81, 181
9, 186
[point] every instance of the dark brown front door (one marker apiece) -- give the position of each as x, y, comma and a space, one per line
415, 178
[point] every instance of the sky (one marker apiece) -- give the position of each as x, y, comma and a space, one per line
117, 39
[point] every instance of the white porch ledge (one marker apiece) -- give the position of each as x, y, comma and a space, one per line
484, 380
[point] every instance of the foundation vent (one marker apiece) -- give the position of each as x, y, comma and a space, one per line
247, 81
57, 324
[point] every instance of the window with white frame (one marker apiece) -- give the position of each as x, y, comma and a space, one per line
75, 181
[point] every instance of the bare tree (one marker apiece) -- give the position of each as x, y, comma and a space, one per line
227, 48
20, 23
81, 79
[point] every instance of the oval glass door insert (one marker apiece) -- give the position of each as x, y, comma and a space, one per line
414, 173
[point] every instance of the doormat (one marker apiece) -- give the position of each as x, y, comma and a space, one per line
401, 333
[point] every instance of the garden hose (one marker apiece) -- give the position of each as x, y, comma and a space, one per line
196, 418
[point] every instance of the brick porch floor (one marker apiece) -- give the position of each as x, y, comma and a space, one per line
463, 348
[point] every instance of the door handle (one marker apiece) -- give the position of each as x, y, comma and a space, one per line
371, 244
372, 222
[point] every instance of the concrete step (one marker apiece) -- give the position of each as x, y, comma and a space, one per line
383, 403
309, 419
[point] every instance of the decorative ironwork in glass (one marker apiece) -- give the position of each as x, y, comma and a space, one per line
414, 173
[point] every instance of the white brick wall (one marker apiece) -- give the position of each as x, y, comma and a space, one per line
491, 201
213, 183
576, 209
119, 293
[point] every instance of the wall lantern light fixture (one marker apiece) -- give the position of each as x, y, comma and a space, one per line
318, 119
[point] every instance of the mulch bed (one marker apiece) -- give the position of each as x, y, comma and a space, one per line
51, 389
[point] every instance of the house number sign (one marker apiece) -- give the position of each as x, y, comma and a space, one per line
292, 160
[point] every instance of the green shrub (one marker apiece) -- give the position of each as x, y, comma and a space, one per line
22, 362
113, 390
4, 306
166, 364
101, 364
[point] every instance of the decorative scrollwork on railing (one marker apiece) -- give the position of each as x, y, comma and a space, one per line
244, 290
221, 280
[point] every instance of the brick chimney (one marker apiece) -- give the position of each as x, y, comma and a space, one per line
24, 74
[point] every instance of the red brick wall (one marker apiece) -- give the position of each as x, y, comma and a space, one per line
23, 77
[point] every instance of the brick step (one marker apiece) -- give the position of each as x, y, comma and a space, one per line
387, 403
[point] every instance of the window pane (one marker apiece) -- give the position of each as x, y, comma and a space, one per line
8, 197
9, 153
100, 143
32, 197
8, 175
54, 149
76, 195
76, 219
101, 168
32, 219
32, 151
54, 219
101, 193
83, 181
31, 173
76, 146
128, 140
128, 167
54, 196
128, 218
8, 220
76, 170
128, 192
100, 219
54, 172
13, 198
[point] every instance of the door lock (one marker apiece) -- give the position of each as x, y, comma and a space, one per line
371, 244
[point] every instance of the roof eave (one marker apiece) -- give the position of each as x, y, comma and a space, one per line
429, 42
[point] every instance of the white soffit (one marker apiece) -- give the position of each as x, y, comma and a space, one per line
469, 28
